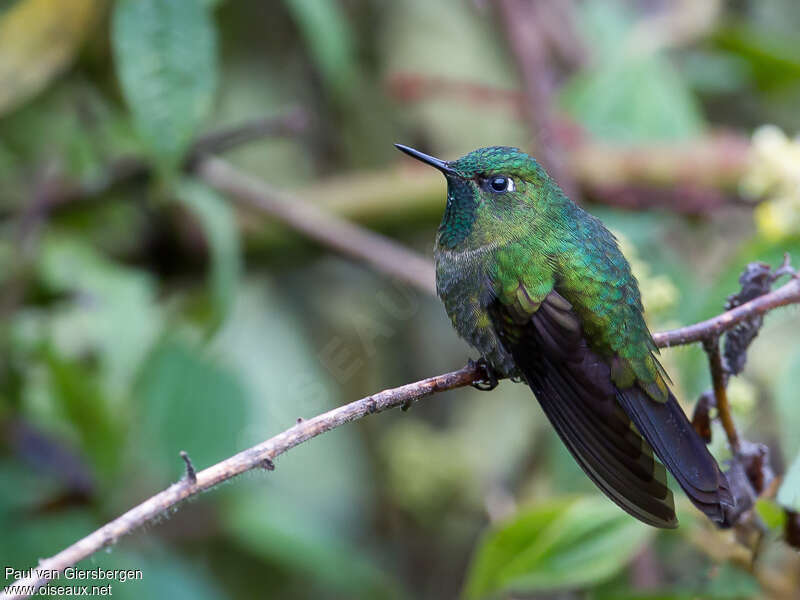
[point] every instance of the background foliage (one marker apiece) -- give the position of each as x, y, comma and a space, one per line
149, 317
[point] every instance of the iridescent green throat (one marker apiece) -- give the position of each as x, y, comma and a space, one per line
460, 212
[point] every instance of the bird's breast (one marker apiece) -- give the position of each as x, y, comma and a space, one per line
463, 284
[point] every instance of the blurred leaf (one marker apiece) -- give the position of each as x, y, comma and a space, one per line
111, 311
22, 488
319, 491
165, 55
71, 127
633, 98
327, 33
429, 471
38, 40
218, 221
786, 397
772, 514
189, 403
774, 59
84, 404
295, 541
726, 582
604, 26
730, 583
560, 544
628, 95
789, 492
27, 538
622, 589
165, 574
715, 72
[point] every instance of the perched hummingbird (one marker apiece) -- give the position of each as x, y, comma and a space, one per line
540, 288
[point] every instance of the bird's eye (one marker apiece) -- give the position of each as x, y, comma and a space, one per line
501, 183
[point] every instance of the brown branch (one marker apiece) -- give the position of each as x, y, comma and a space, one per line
351, 240
256, 457
263, 454
788, 293
756, 280
719, 383
290, 123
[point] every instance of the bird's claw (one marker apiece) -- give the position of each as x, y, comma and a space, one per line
488, 380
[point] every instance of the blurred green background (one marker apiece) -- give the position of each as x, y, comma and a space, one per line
142, 313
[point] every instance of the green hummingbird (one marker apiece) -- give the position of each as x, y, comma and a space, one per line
540, 289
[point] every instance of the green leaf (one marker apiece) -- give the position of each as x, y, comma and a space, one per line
83, 403
218, 221
789, 492
28, 537
296, 542
108, 303
712, 72
633, 98
773, 57
310, 511
628, 96
731, 583
38, 40
561, 544
771, 513
785, 397
165, 574
189, 402
166, 59
327, 33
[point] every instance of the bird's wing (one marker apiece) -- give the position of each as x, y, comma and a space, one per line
591, 414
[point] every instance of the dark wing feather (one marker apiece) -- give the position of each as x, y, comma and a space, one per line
677, 444
573, 385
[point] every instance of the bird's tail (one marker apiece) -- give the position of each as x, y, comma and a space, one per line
667, 429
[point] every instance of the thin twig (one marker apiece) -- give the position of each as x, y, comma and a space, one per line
719, 382
349, 239
788, 293
785, 269
191, 474
264, 454
261, 455
290, 123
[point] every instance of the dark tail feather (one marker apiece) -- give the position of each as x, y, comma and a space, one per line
615, 458
665, 426
600, 437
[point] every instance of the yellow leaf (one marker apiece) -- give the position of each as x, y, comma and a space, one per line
38, 40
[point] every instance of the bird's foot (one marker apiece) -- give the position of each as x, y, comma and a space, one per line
488, 380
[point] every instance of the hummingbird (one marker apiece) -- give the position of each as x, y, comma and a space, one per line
540, 288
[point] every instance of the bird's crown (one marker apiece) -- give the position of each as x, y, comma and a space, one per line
497, 159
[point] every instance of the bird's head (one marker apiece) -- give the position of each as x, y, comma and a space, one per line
492, 195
